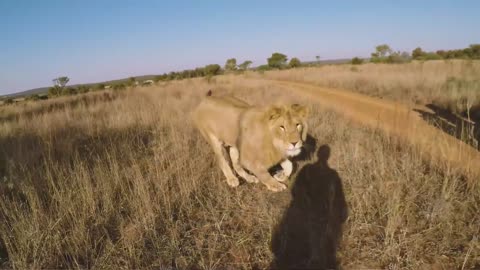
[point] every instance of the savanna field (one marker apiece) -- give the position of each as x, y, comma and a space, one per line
122, 179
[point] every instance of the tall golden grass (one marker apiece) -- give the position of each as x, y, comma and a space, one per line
452, 84
122, 179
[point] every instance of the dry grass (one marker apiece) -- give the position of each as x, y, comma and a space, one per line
452, 84
123, 180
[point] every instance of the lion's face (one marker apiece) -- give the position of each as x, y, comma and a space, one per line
288, 128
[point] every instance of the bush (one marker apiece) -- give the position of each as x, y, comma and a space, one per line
83, 89
33, 97
245, 65
8, 101
100, 86
263, 68
68, 91
231, 64
431, 56
277, 60
398, 58
295, 62
212, 69
418, 53
54, 91
119, 86
357, 61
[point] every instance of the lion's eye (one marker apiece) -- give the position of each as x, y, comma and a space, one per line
282, 128
299, 126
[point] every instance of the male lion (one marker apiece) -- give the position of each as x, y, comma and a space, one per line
258, 137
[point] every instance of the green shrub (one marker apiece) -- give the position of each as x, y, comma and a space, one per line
8, 101
119, 86
294, 62
212, 69
277, 60
357, 61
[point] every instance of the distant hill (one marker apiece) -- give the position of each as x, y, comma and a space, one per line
34, 91
44, 90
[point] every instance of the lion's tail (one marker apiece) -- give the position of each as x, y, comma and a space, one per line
209, 93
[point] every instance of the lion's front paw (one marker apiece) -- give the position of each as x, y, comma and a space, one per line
276, 186
233, 182
251, 178
281, 176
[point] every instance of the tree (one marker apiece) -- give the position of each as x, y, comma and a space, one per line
231, 64
277, 60
54, 91
58, 86
132, 82
418, 53
398, 57
294, 62
383, 50
61, 81
381, 53
475, 48
245, 65
357, 61
211, 70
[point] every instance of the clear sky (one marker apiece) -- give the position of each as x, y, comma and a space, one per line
92, 41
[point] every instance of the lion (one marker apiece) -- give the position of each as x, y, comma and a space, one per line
257, 138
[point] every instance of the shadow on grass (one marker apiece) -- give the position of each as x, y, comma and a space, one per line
308, 234
455, 125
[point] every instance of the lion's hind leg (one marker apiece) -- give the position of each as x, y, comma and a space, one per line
235, 157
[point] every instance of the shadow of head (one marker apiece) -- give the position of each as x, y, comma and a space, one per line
308, 233
308, 149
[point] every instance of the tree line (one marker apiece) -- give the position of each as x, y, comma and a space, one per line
276, 61
383, 54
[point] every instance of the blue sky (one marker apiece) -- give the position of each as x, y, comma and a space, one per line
92, 41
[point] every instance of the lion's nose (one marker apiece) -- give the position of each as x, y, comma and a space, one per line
294, 143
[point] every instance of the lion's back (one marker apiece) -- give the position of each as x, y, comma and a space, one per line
220, 116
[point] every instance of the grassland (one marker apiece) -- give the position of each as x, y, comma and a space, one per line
451, 84
122, 179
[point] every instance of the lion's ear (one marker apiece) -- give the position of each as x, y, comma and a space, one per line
300, 110
274, 112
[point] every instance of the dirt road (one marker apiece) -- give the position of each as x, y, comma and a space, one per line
396, 119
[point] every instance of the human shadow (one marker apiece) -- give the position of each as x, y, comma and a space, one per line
308, 234
457, 125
